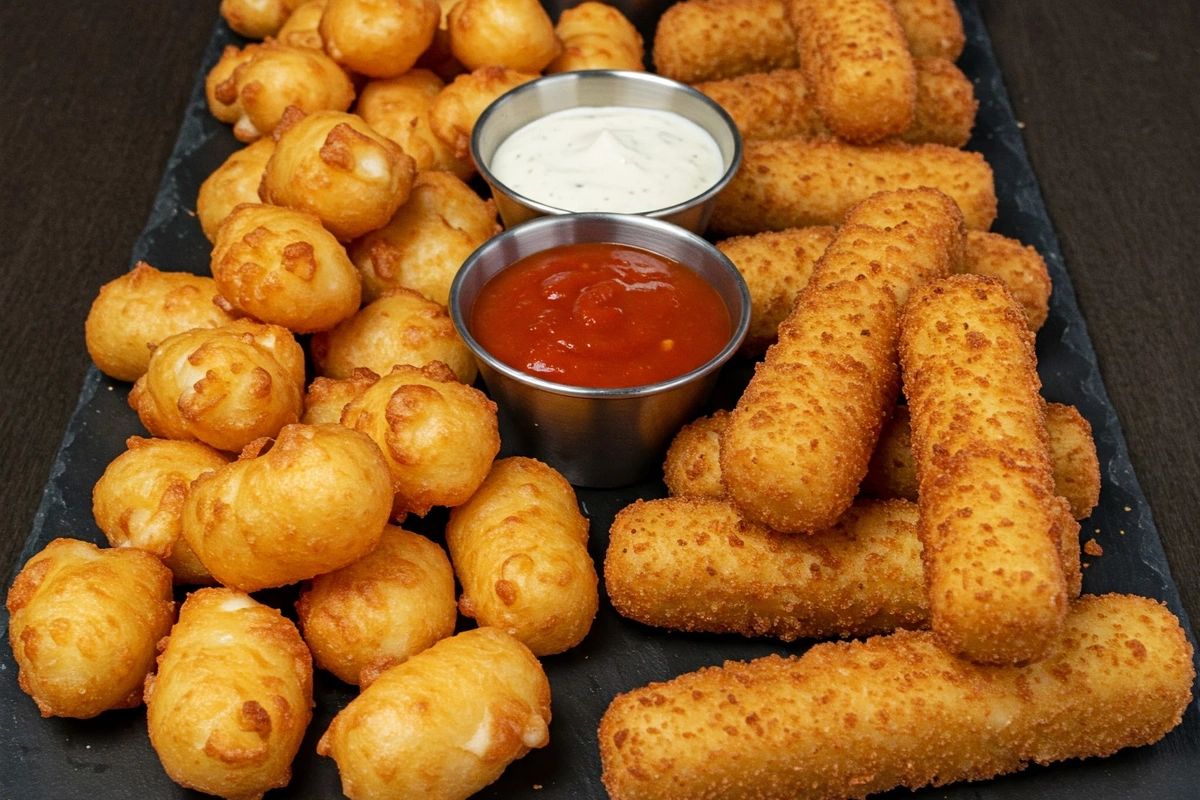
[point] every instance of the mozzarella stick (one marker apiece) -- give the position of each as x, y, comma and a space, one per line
789, 183
694, 564
850, 719
707, 40
1020, 267
799, 441
855, 59
932, 27
779, 105
990, 520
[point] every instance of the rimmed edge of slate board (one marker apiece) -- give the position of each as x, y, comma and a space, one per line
111, 757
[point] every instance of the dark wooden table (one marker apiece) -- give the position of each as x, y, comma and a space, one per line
92, 95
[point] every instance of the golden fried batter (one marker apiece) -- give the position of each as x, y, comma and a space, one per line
932, 27
513, 34
257, 19
597, 36
427, 240
280, 266
327, 398
136, 311
139, 499
231, 184
708, 40
445, 723
313, 500
455, 109
1020, 267
378, 38
855, 58
83, 626
399, 107
519, 547
401, 327
302, 28
800, 439
849, 719
438, 436
381, 610
788, 183
991, 524
337, 167
696, 564
232, 698
224, 386
693, 464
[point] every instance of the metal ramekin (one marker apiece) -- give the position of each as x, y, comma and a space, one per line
566, 90
597, 437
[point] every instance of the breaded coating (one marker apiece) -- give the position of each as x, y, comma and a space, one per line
138, 501
800, 439
136, 311
454, 110
312, 501
513, 34
378, 38
519, 548
790, 183
933, 28
327, 398
302, 28
1020, 266
399, 107
696, 564
234, 182
428, 239
779, 105
445, 723
439, 437
84, 623
850, 719
232, 698
597, 36
776, 266
693, 464
990, 521
855, 58
222, 386
381, 610
710, 40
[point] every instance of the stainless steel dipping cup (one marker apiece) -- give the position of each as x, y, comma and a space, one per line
543, 96
598, 437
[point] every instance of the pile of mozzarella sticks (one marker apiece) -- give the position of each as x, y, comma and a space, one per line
944, 528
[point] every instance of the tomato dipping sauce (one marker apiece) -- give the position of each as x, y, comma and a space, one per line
600, 315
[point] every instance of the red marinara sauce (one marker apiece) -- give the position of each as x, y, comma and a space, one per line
601, 316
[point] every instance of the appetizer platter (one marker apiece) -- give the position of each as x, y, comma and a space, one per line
604, 671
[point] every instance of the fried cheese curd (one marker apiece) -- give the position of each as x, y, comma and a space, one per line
312, 501
519, 548
257, 19
708, 40
138, 501
790, 183
335, 166
132, 314
849, 719
429, 238
327, 398
83, 625
231, 184
455, 109
597, 36
445, 723
401, 327
302, 28
991, 524
379, 38
381, 610
223, 386
695, 564
801, 437
780, 105
514, 34
399, 107
251, 88
854, 56
232, 698
281, 266
439, 437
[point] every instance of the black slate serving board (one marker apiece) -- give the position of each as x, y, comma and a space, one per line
110, 756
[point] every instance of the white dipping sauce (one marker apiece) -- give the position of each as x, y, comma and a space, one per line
613, 158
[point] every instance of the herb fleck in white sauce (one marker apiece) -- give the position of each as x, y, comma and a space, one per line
616, 158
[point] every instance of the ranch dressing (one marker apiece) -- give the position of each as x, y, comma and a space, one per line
613, 158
